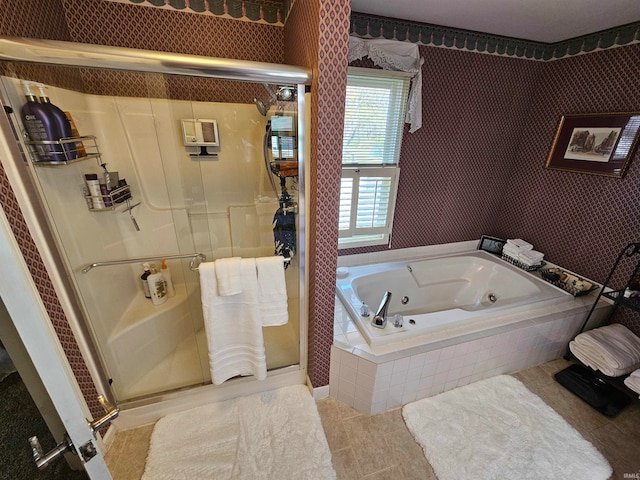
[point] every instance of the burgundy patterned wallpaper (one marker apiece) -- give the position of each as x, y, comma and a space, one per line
133, 26
23, 19
325, 30
579, 221
331, 90
455, 169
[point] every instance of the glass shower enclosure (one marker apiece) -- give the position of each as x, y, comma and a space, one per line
166, 169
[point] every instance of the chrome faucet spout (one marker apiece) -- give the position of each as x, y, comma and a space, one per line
380, 318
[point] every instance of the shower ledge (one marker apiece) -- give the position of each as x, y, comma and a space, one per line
142, 309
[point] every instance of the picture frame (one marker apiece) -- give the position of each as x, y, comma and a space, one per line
595, 143
491, 244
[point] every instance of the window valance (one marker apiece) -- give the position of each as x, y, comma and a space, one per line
395, 55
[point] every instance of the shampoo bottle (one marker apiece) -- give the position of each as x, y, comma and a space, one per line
145, 283
62, 123
157, 286
93, 184
80, 150
41, 126
166, 273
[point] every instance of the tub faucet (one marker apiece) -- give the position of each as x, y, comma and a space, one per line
380, 318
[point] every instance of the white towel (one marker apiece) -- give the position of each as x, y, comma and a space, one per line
612, 349
232, 325
519, 243
228, 276
531, 257
272, 291
633, 381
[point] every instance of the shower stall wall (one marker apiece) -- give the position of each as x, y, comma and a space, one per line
184, 201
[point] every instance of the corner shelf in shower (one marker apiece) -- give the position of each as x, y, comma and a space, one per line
89, 146
141, 312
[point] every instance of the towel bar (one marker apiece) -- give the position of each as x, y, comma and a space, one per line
285, 260
200, 257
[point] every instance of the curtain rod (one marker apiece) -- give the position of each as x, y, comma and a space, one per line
57, 52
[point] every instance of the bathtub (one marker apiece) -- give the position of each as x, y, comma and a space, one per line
464, 292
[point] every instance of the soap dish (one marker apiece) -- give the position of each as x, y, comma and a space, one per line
567, 281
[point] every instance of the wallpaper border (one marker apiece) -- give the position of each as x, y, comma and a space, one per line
370, 26
273, 12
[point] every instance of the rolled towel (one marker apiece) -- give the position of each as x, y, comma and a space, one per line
612, 349
633, 381
519, 243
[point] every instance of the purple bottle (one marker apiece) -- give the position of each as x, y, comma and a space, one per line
41, 126
62, 123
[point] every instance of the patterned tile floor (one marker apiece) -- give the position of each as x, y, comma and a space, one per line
380, 447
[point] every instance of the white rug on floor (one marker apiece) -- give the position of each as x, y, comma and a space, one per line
271, 435
497, 429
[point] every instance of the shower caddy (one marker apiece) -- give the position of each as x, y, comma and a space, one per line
117, 196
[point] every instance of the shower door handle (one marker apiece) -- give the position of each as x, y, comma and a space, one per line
112, 412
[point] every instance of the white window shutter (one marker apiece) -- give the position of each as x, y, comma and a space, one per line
367, 201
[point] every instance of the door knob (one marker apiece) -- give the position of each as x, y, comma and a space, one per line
43, 460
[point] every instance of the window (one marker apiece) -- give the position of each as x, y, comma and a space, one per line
373, 124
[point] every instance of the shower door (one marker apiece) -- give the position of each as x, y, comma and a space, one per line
176, 200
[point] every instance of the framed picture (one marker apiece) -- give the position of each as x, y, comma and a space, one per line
491, 244
595, 143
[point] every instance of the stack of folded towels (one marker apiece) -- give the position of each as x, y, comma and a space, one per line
613, 349
522, 251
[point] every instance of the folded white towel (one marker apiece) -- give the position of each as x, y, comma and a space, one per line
531, 257
612, 349
519, 243
272, 291
232, 325
633, 381
228, 276
586, 356
511, 252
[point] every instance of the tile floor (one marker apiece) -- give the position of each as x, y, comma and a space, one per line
380, 447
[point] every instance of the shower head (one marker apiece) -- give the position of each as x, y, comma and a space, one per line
283, 94
263, 107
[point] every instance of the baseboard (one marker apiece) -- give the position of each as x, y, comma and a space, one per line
109, 437
319, 392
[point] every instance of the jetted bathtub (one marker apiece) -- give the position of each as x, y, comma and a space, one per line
460, 292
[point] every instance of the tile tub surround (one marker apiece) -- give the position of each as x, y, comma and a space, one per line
376, 379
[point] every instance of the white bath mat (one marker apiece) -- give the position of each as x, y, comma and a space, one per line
272, 435
497, 429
